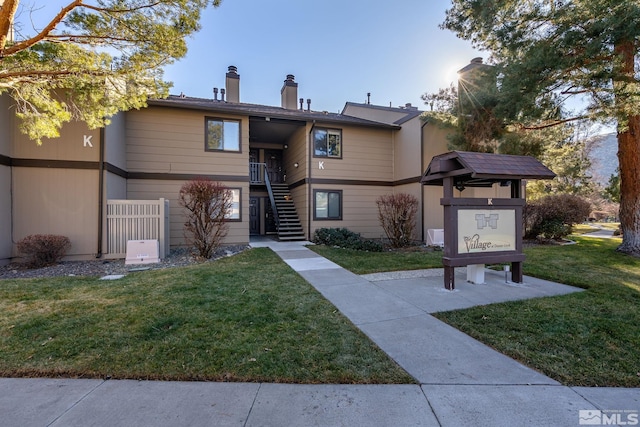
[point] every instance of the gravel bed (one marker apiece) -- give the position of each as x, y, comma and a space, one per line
179, 257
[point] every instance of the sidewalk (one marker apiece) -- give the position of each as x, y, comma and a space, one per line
461, 381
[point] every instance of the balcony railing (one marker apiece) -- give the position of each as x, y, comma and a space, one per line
257, 173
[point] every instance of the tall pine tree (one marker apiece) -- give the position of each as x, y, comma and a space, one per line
550, 52
92, 59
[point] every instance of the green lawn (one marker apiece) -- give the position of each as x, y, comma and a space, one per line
589, 338
244, 318
360, 262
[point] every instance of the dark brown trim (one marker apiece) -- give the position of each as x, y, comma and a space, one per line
76, 164
116, 170
315, 192
222, 150
325, 181
414, 180
54, 164
313, 143
101, 169
299, 183
5, 160
185, 176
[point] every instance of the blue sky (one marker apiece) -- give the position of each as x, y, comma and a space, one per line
338, 50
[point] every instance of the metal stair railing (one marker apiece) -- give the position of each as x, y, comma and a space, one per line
271, 197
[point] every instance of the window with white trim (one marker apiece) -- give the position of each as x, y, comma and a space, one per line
233, 214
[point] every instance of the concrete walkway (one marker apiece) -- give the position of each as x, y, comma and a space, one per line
461, 381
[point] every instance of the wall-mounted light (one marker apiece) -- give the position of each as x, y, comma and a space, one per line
285, 146
296, 164
460, 185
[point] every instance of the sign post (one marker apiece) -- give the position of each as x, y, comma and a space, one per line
482, 230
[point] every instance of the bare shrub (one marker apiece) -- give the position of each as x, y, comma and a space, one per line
397, 215
553, 217
43, 249
207, 204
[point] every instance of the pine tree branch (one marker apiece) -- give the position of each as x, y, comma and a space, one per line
548, 125
45, 34
25, 44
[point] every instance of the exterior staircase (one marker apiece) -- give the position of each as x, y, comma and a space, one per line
289, 227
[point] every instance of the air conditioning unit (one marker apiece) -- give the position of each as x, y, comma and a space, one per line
435, 237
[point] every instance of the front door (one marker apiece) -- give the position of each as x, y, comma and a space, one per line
270, 221
273, 159
254, 215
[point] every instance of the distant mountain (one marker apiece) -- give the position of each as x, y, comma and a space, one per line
604, 157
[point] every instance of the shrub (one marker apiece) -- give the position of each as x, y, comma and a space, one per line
207, 204
43, 249
397, 215
552, 217
344, 238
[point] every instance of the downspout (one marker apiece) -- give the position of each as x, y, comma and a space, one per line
100, 192
422, 169
310, 190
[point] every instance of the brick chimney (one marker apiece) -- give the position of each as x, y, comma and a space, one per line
289, 93
233, 84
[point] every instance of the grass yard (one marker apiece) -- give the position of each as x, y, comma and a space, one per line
244, 318
589, 338
360, 262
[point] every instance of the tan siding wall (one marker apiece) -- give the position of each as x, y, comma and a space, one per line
367, 155
7, 119
57, 201
116, 187
5, 214
415, 190
301, 201
377, 115
69, 146
6, 123
407, 153
433, 210
297, 153
434, 142
115, 142
359, 210
156, 189
163, 140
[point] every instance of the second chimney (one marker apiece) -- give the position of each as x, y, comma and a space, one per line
289, 93
233, 84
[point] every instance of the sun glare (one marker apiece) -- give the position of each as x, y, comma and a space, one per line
450, 74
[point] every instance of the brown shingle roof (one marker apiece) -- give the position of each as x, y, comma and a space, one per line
483, 168
264, 111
